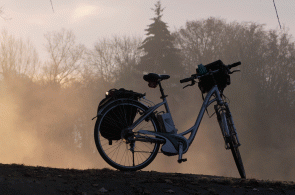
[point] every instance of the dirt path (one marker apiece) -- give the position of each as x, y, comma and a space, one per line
20, 179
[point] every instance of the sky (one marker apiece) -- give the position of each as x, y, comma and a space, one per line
91, 20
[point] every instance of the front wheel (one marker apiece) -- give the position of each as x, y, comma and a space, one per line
125, 153
231, 139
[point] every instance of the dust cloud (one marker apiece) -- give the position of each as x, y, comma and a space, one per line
47, 126
44, 124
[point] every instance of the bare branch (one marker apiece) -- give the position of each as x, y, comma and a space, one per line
111, 56
2, 14
17, 57
65, 57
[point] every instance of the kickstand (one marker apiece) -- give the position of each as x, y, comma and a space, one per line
180, 159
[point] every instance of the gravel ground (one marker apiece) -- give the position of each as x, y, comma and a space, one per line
20, 179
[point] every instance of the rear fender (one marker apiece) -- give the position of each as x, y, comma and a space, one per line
100, 110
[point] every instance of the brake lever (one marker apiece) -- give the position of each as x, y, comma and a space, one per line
231, 72
193, 83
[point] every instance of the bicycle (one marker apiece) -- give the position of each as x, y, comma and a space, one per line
142, 129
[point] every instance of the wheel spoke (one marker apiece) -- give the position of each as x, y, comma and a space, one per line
122, 154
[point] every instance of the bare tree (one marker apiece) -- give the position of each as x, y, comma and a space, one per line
101, 60
127, 53
17, 57
65, 57
111, 57
2, 14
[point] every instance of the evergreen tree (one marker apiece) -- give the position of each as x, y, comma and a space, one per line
160, 54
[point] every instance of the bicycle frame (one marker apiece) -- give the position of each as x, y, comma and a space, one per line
193, 130
153, 129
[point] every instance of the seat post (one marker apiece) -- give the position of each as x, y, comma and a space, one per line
163, 97
162, 91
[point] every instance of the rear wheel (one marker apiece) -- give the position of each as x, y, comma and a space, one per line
230, 136
127, 153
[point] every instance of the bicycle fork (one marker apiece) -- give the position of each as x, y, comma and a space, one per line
233, 132
223, 117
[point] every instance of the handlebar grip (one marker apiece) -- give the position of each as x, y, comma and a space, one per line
186, 80
234, 65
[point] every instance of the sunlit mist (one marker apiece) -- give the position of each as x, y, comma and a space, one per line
50, 91
85, 10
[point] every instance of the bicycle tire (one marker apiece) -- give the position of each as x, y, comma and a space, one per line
121, 151
234, 148
238, 160
232, 141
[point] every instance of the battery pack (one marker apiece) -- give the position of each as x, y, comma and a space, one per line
166, 123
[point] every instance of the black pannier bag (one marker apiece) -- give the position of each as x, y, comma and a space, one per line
221, 77
119, 117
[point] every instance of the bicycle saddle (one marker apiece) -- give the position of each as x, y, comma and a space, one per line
155, 77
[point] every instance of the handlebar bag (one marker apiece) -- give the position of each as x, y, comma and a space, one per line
120, 116
222, 78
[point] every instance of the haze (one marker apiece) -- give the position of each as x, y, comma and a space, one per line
46, 116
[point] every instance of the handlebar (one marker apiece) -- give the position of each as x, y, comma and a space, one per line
234, 65
196, 76
187, 79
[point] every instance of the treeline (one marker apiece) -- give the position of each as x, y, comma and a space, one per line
267, 71
53, 100
262, 93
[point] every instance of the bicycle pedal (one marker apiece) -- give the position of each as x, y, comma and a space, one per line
181, 160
